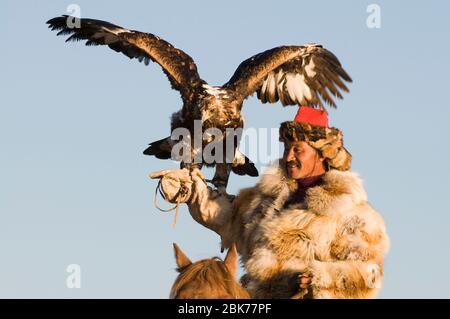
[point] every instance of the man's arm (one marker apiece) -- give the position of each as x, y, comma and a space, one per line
208, 207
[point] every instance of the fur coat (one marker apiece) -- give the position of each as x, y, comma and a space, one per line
334, 235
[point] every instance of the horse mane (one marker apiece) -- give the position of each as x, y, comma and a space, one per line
207, 278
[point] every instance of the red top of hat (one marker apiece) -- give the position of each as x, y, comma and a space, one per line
312, 116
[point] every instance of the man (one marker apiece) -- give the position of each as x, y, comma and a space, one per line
306, 229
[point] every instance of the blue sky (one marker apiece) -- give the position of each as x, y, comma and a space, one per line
74, 121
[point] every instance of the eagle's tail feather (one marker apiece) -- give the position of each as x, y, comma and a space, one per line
245, 168
160, 149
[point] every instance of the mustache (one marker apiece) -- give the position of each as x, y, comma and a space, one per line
293, 162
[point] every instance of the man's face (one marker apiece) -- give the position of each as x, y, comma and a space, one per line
302, 160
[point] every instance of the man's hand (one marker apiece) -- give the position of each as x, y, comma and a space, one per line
304, 280
176, 184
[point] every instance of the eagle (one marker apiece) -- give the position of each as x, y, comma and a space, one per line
292, 74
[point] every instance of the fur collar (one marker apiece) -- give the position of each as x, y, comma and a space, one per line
340, 191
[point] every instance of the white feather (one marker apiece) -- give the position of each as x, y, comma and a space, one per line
306, 91
290, 86
310, 68
271, 86
214, 90
280, 87
279, 76
116, 31
263, 90
298, 88
282, 92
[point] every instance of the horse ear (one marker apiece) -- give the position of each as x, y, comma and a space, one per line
181, 259
231, 260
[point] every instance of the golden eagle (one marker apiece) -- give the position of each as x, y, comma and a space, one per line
294, 75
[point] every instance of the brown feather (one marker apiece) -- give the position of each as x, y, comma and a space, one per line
177, 65
326, 72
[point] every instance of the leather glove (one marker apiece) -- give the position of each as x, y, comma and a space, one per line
177, 184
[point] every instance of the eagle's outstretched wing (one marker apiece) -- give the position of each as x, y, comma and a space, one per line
177, 65
304, 75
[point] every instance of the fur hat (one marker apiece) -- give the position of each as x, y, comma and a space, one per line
311, 125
